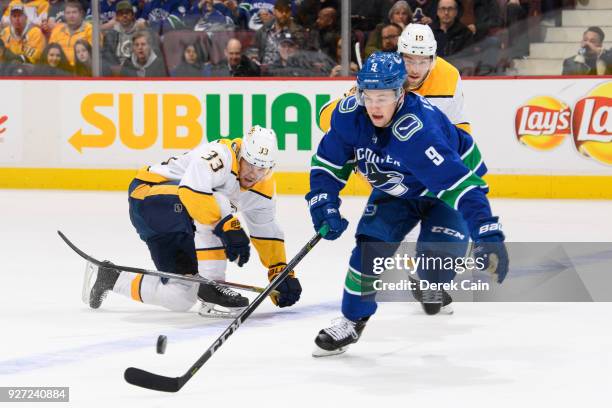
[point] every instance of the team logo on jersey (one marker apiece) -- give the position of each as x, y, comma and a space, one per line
370, 210
542, 123
406, 127
592, 124
388, 181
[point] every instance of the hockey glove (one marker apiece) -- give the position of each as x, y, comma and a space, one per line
290, 288
234, 240
489, 245
324, 209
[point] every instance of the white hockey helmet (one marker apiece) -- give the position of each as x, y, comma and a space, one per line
259, 147
417, 39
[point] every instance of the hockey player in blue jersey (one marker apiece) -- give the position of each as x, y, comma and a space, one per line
422, 169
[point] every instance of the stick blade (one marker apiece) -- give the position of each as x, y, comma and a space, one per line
145, 379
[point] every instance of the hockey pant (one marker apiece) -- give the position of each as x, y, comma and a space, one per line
176, 243
387, 219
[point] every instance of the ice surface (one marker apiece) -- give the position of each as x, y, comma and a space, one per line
500, 355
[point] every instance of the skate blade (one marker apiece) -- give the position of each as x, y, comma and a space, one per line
319, 352
447, 310
444, 310
91, 273
219, 312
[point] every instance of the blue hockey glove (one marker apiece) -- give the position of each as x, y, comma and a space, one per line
234, 240
324, 209
290, 288
489, 244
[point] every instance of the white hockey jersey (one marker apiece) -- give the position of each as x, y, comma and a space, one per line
209, 189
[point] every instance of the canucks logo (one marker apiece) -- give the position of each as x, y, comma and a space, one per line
388, 181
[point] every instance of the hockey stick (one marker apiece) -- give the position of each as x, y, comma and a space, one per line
146, 379
168, 275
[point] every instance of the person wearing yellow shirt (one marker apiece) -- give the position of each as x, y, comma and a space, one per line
21, 37
68, 33
428, 75
35, 10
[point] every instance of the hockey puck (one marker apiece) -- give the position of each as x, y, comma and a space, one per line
162, 341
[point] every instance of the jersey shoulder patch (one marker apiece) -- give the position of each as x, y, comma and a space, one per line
406, 126
348, 104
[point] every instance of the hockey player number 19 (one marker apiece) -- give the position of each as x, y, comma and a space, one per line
434, 156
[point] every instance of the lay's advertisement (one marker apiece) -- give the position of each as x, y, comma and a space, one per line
549, 127
545, 122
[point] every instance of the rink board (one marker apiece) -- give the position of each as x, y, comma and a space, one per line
540, 137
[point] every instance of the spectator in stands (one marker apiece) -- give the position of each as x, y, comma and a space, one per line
163, 15
265, 15
592, 58
23, 39
144, 62
451, 35
326, 31
108, 11
55, 15
299, 63
424, 11
53, 62
238, 14
517, 12
192, 62
260, 12
337, 70
83, 60
400, 15
210, 16
387, 39
235, 63
365, 15
483, 19
35, 10
117, 44
10, 64
267, 38
308, 12
66, 34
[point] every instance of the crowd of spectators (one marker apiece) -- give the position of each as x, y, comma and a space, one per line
200, 38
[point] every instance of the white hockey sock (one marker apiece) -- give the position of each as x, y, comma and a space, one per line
174, 295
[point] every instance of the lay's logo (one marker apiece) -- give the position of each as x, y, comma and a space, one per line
592, 124
542, 123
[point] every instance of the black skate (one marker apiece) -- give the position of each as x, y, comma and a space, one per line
105, 278
336, 338
434, 302
220, 301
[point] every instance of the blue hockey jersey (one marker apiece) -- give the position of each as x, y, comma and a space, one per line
419, 154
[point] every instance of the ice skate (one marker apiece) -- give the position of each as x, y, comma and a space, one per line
220, 301
99, 280
337, 338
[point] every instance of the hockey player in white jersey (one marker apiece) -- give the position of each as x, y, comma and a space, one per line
184, 210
